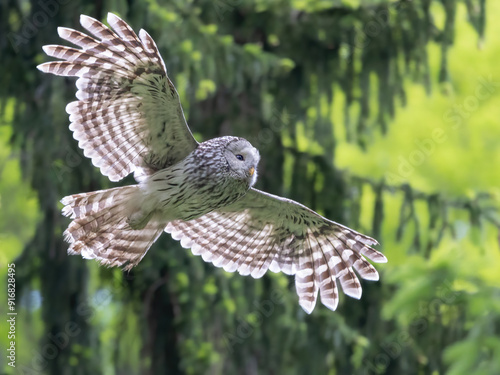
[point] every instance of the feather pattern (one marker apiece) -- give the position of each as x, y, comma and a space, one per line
100, 229
128, 117
262, 231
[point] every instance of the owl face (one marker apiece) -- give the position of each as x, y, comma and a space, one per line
243, 158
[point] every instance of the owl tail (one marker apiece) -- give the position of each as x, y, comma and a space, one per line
100, 229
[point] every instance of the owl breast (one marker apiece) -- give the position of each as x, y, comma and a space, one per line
192, 188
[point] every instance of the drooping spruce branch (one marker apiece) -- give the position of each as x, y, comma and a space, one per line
482, 208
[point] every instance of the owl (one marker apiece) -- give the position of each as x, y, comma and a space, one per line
128, 119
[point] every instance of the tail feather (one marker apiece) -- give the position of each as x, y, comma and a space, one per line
100, 229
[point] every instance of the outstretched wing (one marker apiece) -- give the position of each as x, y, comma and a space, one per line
262, 231
128, 117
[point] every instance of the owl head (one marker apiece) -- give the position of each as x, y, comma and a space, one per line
242, 158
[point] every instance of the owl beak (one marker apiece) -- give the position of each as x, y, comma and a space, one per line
252, 171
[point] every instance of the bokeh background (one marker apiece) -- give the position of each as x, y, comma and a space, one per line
383, 115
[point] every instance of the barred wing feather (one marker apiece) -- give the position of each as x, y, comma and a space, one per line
128, 117
263, 231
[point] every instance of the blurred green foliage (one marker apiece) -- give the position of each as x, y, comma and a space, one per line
18, 203
380, 114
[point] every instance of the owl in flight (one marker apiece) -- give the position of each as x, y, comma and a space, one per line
128, 118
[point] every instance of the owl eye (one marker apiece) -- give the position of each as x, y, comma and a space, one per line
240, 157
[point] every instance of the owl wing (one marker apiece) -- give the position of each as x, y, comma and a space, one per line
262, 231
128, 117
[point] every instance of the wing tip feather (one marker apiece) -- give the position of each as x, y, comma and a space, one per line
86, 20
331, 303
63, 32
383, 259
43, 67
371, 277
48, 48
307, 306
112, 18
355, 293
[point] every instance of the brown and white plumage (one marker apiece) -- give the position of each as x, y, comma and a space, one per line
128, 116
128, 119
262, 231
99, 229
